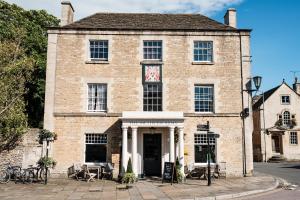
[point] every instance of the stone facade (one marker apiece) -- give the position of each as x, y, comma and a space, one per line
69, 71
26, 153
264, 144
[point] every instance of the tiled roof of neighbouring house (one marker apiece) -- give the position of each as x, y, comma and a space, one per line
142, 21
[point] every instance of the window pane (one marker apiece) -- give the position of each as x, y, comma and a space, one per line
203, 51
97, 97
99, 50
152, 50
201, 154
95, 153
152, 97
204, 98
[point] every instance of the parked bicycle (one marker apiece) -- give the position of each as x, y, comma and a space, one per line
10, 173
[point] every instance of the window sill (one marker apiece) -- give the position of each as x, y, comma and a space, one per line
202, 63
152, 62
97, 62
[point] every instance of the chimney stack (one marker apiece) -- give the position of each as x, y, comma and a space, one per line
67, 13
296, 86
230, 17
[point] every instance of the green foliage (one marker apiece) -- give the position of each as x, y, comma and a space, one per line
32, 25
46, 162
129, 178
129, 166
180, 176
15, 71
45, 134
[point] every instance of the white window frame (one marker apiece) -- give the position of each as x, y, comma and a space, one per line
214, 144
85, 143
212, 52
98, 59
87, 91
152, 58
284, 103
284, 120
213, 100
293, 138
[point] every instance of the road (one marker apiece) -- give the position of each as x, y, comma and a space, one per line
288, 171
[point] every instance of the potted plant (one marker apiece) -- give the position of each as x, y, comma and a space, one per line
46, 162
129, 177
46, 135
179, 175
278, 123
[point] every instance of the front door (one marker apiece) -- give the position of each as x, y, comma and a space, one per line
152, 154
275, 144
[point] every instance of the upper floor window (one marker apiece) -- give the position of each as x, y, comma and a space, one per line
285, 99
152, 50
152, 97
293, 138
203, 51
99, 50
95, 147
201, 148
286, 118
97, 97
204, 98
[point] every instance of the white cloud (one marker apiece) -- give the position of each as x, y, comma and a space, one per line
87, 7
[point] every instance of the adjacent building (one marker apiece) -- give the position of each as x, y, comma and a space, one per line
140, 86
276, 117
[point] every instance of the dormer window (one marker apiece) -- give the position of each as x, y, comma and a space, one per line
285, 99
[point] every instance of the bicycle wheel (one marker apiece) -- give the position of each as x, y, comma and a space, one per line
29, 176
4, 177
43, 174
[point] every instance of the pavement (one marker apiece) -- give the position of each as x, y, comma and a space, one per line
287, 171
147, 189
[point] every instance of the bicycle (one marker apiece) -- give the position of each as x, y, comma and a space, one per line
10, 173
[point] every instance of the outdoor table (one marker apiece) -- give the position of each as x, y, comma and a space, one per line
97, 167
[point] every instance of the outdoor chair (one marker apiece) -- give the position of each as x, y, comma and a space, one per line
75, 171
88, 176
221, 170
108, 171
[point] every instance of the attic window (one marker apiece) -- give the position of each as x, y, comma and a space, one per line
285, 99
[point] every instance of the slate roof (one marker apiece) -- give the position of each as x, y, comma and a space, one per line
143, 21
266, 94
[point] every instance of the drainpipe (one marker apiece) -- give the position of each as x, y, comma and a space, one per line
243, 119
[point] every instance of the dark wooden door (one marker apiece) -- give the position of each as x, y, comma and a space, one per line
152, 154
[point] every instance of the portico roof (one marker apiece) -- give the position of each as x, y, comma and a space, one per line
152, 119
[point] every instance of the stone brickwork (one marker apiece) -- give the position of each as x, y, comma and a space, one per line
123, 76
26, 153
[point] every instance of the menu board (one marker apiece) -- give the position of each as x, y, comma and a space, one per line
169, 174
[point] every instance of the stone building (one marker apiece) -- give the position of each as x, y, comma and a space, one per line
137, 86
277, 112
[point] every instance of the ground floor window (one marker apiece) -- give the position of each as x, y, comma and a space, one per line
201, 148
95, 147
293, 138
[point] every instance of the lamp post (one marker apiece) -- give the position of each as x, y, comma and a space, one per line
257, 82
48, 140
245, 113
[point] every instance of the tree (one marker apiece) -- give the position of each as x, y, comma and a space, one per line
15, 71
34, 26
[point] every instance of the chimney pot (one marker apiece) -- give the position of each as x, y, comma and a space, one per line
230, 18
296, 86
67, 13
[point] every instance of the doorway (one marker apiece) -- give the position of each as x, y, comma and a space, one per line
276, 144
152, 154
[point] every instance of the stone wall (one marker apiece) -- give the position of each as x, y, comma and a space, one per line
26, 153
69, 71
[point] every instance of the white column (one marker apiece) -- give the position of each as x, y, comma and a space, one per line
171, 138
134, 150
124, 150
181, 149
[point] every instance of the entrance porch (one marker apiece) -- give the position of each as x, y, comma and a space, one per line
152, 141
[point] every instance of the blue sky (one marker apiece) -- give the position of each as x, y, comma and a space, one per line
275, 39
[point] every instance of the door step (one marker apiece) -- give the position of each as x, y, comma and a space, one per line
277, 159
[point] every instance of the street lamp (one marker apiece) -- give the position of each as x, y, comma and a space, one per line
257, 82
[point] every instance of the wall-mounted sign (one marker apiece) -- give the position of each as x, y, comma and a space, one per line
152, 74
202, 127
